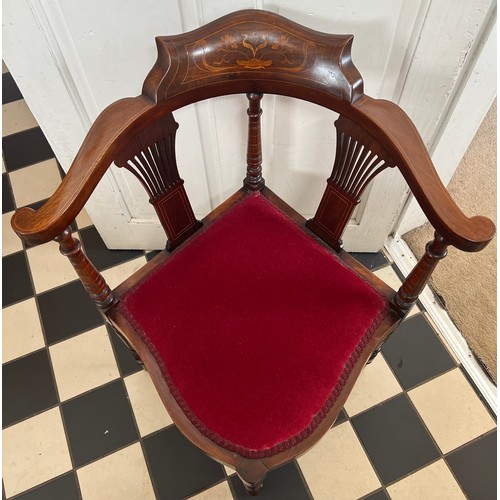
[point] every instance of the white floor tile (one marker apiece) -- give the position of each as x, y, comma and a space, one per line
49, 267
149, 410
389, 276
451, 410
36, 182
375, 384
34, 451
10, 240
339, 464
434, 482
83, 219
122, 475
83, 362
16, 117
118, 274
21, 330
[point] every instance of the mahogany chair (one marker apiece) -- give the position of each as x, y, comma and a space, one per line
253, 323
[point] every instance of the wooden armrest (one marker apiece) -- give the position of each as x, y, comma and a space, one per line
408, 149
91, 162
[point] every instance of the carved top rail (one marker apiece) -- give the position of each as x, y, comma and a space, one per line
257, 52
253, 45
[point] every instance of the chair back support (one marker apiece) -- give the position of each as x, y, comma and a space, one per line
150, 156
358, 159
265, 54
253, 51
256, 52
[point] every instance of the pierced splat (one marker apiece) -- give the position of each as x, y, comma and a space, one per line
359, 158
150, 156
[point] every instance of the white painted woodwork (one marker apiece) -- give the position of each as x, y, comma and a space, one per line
72, 58
467, 112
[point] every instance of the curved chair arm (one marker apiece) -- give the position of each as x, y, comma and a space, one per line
405, 144
91, 162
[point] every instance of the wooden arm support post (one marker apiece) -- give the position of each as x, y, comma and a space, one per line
415, 282
90, 277
254, 180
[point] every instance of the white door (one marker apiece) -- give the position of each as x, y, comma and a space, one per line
71, 58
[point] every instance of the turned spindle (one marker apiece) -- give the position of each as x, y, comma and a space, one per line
92, 280
254, 179
415, 282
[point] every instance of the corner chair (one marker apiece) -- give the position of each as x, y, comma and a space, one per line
254, 324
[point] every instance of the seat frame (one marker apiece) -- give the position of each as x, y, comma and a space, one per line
252, 52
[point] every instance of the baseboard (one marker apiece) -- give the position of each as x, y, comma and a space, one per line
405, 261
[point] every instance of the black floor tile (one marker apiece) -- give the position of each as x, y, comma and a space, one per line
178, 468
16, 281
283, 483
395, 438
8, 204
10, 90
475, 467
25, 148
99, 422
99, 255
415, 353
151, 255
63, 487
371, 260
66, 311
28, 387
341, 418
380, 495
125, 359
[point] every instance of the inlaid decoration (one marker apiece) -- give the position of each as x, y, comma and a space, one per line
249, 49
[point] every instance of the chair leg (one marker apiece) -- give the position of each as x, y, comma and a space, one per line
253, 489
252, 476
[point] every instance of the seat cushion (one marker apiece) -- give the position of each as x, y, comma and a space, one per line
255, 326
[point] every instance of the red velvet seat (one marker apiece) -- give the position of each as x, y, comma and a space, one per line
256, 327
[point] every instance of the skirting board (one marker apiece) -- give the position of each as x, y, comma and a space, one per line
405, 260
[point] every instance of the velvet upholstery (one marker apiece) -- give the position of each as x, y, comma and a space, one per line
256, 327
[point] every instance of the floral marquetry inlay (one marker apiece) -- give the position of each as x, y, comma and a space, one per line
250, 50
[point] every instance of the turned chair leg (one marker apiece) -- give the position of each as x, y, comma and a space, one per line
252, 476
253, 489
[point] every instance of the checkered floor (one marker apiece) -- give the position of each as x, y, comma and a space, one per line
81, 418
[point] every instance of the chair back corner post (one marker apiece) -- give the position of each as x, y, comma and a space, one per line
93, 282
254, 180
407, 295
